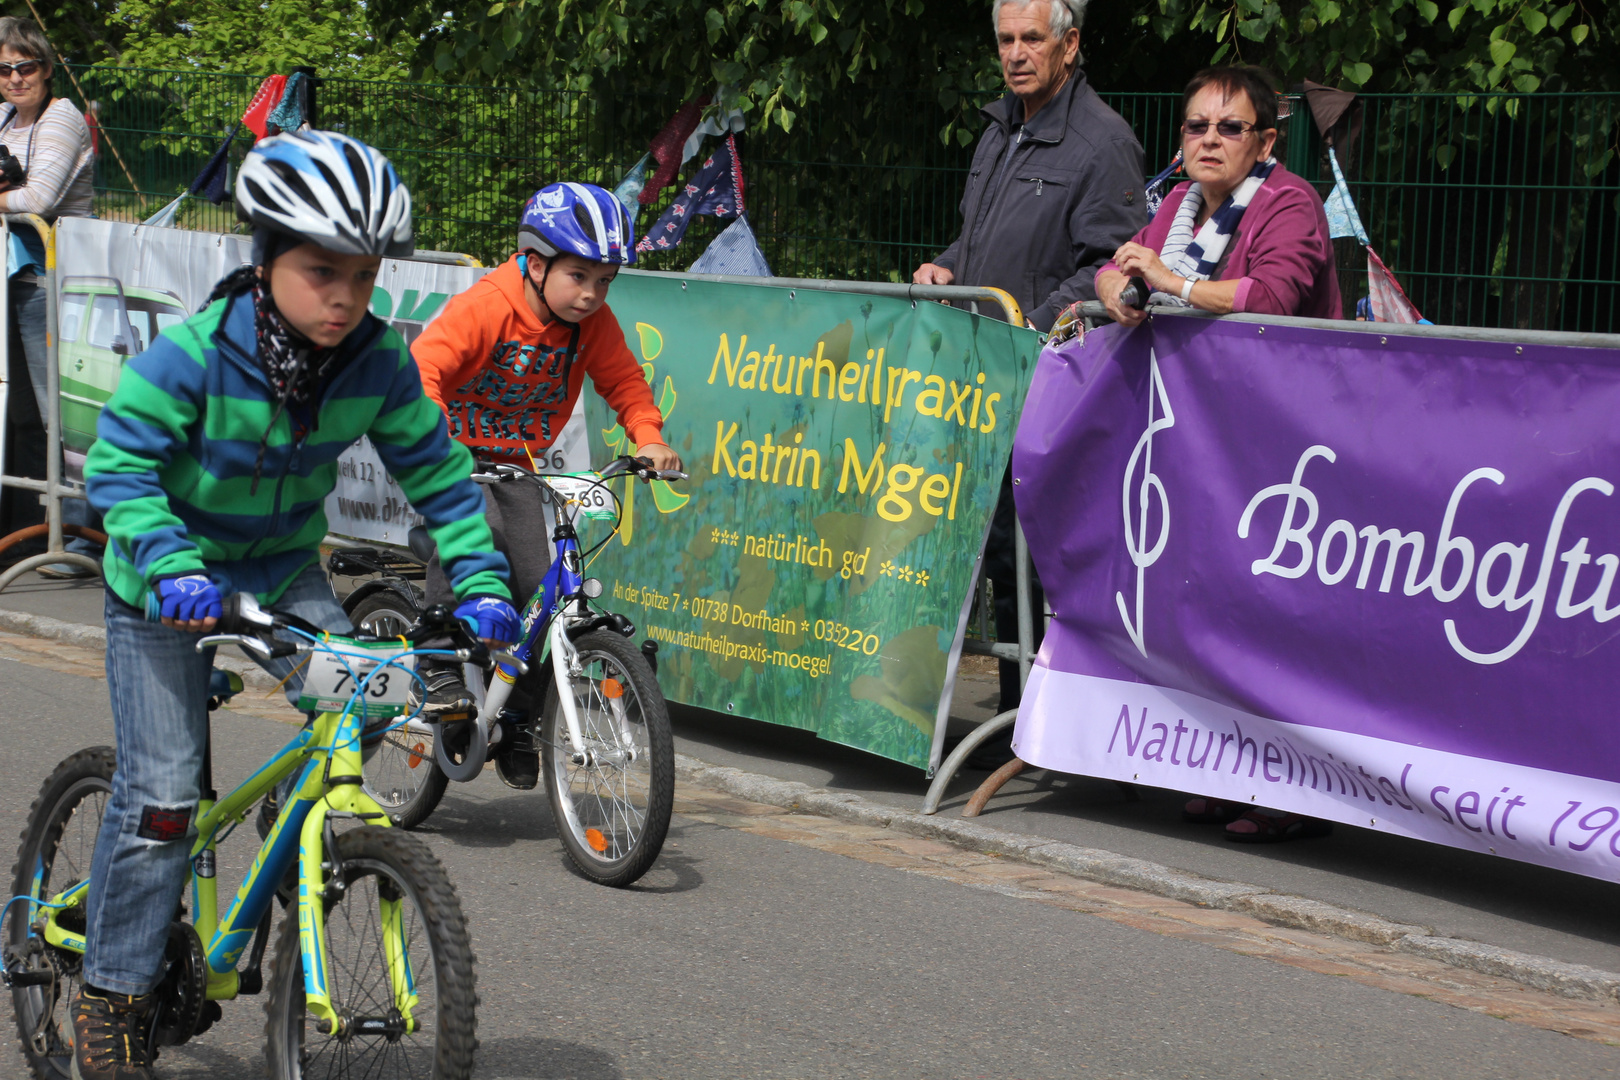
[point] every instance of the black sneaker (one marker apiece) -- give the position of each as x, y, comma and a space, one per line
518, 768
517, 761
109, 1036
447, 696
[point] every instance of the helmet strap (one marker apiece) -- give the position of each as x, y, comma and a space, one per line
540, 290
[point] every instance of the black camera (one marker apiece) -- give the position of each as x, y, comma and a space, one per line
14, 172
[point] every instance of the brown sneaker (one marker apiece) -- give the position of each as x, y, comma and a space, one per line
109, 1036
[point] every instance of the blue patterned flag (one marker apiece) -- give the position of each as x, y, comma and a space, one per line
716, 189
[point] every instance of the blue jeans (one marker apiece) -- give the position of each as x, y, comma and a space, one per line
159, 686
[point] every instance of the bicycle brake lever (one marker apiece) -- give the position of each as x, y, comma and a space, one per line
509, 660
243, 640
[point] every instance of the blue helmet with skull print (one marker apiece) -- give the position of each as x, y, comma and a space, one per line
577, 219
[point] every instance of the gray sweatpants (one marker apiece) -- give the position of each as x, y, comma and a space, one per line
517, 519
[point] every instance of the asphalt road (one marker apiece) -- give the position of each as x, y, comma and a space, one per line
741, 956
1460, 894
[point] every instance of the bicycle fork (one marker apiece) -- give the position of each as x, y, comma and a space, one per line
321, 880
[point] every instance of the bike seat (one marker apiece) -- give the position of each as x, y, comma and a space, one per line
421, 544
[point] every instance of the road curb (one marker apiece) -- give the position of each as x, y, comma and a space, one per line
94, 638
1106, 867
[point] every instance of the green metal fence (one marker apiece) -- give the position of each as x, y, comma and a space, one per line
1492, 210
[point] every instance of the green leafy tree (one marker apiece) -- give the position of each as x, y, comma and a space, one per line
1408, 45
256, 37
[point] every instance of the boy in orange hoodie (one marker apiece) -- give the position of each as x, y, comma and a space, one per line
506, 361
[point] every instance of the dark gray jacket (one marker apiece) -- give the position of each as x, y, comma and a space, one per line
1043, 223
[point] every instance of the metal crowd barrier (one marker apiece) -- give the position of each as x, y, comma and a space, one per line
1093, 314
1019, 651
53, 489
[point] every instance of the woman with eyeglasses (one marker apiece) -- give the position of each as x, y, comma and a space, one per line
45, 170
1244, 234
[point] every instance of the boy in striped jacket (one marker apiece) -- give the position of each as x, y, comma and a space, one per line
212, 462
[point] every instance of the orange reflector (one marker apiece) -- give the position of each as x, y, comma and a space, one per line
597, 841
612, 688
418, 752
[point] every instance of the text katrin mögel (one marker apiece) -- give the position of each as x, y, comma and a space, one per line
875, 384
1345, 553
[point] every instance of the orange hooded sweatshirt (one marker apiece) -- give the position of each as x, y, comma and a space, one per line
503, 379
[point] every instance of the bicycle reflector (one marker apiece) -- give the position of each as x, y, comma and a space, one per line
612, 688
597, 841
591, 587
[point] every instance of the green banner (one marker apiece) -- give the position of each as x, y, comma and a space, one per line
845, 454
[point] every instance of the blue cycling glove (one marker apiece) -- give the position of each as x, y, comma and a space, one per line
489, 618
187, 598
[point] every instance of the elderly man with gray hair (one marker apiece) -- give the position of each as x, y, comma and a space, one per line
1056, 187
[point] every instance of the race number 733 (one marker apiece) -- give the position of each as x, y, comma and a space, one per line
331, 679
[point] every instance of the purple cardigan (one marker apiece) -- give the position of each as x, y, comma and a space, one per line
1281, 251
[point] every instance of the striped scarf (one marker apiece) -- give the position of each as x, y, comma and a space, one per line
1196, 257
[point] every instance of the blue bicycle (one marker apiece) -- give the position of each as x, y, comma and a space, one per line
607, 755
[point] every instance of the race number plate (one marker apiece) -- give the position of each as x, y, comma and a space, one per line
329, 681
585, 493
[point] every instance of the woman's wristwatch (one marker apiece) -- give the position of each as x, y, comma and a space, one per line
1186, 290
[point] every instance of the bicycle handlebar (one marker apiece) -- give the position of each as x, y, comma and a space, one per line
640, 467
247, 625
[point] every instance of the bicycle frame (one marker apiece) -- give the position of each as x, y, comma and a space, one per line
545, 615
329, 756
543, 631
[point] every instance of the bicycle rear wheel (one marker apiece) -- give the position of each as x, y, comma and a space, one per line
612, 796
379, 865
57, 844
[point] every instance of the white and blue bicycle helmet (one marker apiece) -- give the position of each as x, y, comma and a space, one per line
577, 219
328, 189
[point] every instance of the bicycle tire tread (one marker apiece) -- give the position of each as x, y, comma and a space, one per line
93, 761
661, 796
455, 968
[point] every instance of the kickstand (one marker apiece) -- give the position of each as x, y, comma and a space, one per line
252, 979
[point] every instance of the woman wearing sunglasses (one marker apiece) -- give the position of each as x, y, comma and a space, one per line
1244, 234
47, 171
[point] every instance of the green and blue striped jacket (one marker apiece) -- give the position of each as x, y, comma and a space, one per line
173, 462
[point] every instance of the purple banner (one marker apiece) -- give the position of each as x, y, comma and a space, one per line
1366, 578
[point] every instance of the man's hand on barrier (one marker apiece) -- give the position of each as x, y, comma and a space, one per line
932, 274
1110, 283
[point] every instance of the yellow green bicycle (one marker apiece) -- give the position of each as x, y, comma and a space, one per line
373, 970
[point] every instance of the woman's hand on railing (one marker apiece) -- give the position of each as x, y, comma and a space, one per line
1110, 284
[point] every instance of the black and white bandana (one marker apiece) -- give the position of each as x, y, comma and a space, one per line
292, 364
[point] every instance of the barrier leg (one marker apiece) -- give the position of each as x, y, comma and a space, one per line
1026, 617
991, 785
52, 491
47, 558
947, 769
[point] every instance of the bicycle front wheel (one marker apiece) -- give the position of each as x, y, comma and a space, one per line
402, 775
397, 922
57, 844
612, 796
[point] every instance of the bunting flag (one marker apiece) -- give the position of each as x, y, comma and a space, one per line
735, 252
716, 190
669, 145
268, 96
1389, 300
